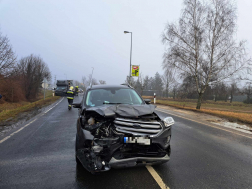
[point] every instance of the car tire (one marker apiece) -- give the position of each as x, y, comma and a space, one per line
76, 149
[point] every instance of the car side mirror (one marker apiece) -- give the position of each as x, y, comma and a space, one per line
76, 105
147, 101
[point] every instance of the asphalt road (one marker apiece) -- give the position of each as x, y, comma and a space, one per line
41, 155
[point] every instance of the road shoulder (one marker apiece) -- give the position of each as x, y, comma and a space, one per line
24, 119
209, 120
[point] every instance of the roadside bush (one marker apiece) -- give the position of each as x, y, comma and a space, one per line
11, 90
247, 101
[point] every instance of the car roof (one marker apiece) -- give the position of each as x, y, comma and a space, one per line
110, 86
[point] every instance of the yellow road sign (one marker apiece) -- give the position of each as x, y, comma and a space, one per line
135, 71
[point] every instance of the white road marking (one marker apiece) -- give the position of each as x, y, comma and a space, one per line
53, 106
162, 110
4, 139
157, 178
1, 141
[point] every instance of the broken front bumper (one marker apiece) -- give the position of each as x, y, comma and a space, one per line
131, 162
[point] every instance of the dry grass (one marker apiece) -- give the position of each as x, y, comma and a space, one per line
10, 106
236, 111
9, 110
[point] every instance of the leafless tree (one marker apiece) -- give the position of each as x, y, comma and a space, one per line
7, 56
202, 44
32, 71
130, 81
84, 82
216, 91
168, 79
102, 82
174, 91
92, 80
248, 75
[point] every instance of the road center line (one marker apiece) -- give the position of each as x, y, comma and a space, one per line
162, 110
157, 178
4, 139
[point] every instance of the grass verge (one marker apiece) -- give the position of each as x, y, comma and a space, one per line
230, 114
10, 113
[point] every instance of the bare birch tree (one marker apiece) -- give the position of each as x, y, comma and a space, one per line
202, 44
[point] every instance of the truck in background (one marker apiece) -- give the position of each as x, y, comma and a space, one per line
62, 87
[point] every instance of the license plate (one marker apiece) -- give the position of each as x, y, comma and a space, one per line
137, 140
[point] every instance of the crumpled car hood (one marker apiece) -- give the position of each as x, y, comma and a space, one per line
123, 110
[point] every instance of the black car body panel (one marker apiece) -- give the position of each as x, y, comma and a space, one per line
123, 110
120, 135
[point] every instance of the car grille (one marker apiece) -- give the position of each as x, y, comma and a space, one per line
137, 127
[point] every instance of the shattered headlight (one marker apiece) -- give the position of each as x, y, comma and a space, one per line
168, 121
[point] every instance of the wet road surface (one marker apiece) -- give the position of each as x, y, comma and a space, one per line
41, 155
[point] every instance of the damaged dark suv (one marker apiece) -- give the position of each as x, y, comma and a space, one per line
116, 128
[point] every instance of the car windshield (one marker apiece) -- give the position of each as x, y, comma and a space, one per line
98, 97
61, 88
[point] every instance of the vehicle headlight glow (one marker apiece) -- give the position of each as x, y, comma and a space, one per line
168, 121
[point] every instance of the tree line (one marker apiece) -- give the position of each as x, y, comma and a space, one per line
170, 85
20, 79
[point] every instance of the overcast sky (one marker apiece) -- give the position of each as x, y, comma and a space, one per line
74, 35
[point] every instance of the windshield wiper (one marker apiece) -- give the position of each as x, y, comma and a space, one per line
112, 103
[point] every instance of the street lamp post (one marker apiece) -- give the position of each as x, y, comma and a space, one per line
130, 52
